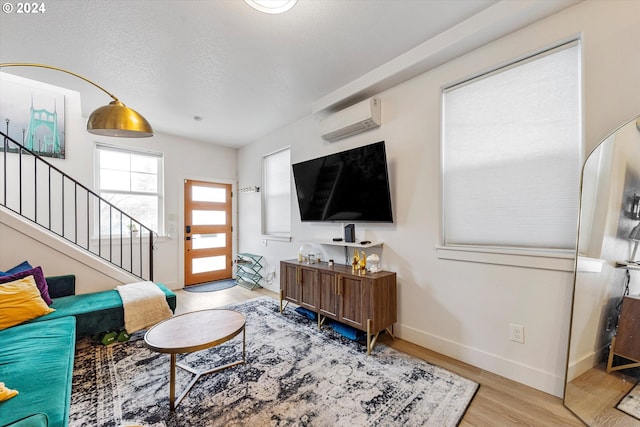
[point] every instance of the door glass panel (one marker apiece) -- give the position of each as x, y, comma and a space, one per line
208, 194
208, 241
212, 263
200, 217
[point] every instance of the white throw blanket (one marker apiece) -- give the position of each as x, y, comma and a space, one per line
144, 305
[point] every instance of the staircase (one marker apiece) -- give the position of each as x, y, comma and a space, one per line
39, 192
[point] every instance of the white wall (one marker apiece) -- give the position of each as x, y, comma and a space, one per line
463, 309
183, 159
23, 240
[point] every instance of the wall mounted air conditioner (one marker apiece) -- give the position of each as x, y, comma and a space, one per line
352, 120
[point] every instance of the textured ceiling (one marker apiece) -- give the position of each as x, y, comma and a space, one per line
244, 72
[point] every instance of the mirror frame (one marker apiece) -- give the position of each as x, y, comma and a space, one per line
578, 256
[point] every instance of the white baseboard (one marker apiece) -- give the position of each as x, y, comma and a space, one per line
585, 363
547, 382
174, 286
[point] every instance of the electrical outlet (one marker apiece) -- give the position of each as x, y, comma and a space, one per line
516, 333
609, 326
263, 242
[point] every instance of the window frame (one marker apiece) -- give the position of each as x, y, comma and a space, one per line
264, 200
159, 194
532, 257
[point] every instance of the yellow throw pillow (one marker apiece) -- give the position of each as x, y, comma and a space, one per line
6, 393
20, 301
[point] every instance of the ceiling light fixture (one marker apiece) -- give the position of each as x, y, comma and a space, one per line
115, 119
271, 6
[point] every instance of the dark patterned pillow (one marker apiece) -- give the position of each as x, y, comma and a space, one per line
24, 265
38, 276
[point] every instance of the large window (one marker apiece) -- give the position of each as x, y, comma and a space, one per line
511, 152
132, 181
276, 194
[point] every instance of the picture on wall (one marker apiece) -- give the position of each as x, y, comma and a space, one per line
33, 117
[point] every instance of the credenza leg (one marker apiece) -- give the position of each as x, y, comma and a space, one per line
369, 346
390, 332
282, 306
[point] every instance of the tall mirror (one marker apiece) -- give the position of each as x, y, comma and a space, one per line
603, 364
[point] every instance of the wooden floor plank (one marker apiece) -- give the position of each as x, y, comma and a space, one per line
595, 394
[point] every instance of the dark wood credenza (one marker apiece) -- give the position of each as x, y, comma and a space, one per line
626, 342
367, 302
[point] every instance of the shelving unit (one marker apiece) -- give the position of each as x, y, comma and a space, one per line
248, 267
348, 245
624, 342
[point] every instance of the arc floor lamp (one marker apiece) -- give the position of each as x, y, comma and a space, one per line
115, 119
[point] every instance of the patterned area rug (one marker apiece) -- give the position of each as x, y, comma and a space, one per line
295, 375
630, 403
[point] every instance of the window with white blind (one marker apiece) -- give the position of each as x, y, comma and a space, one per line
132, 181
276, 194
511, 153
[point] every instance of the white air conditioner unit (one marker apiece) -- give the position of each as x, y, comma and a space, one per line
352, 120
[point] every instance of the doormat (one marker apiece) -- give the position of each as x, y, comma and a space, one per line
630, 403
211, 286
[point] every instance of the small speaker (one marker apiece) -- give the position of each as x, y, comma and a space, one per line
350, 233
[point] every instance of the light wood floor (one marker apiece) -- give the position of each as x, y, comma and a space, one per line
595, 394
499, 401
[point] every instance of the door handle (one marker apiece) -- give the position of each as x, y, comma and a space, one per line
187, 238
188, 229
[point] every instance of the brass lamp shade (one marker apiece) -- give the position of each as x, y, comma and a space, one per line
116, 119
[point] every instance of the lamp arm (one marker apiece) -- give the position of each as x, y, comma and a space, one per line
51, 67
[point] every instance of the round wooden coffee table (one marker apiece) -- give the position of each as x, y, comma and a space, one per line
194, 331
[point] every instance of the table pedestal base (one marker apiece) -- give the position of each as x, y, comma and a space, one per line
173, 401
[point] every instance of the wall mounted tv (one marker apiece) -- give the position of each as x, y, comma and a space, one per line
352, 186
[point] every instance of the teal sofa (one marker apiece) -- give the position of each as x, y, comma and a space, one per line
36, 357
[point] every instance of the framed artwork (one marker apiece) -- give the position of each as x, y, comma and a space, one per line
33, 116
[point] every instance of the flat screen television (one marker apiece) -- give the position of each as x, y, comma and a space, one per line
351, 185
